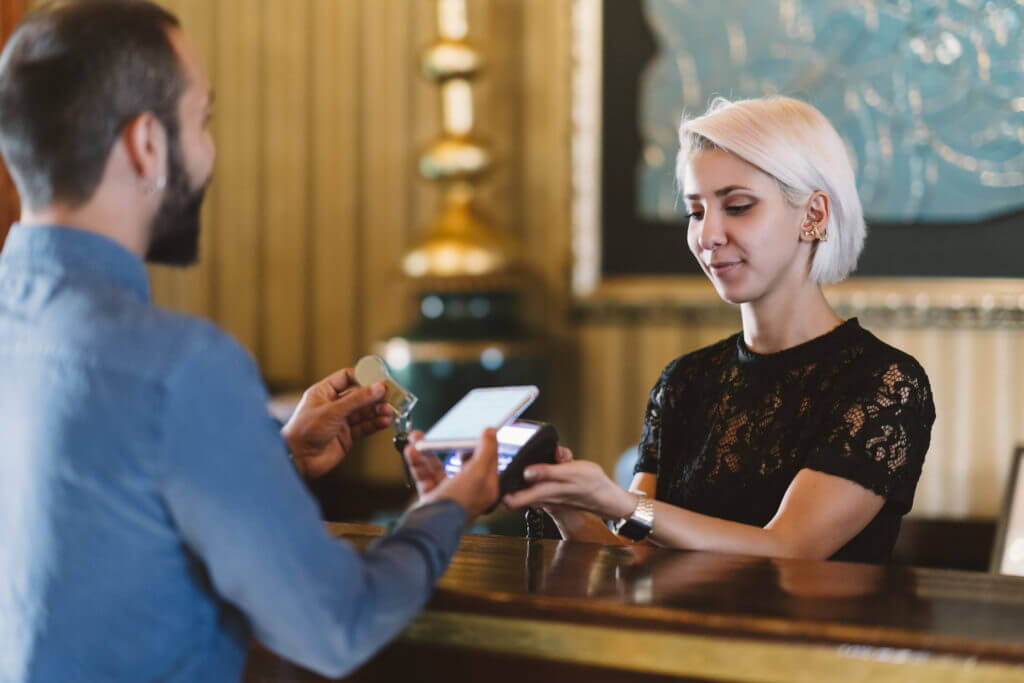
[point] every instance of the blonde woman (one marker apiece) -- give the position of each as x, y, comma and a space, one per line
801, 436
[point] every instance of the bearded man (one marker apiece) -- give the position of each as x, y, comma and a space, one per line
152, 514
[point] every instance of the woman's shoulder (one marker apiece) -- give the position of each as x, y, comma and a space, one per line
886, 368
875, 353
701, 360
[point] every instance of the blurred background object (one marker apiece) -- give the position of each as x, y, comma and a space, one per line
10, 14
468, 277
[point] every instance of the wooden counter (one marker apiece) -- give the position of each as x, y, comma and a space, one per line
509, 609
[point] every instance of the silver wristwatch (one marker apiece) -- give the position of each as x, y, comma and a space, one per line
638, 525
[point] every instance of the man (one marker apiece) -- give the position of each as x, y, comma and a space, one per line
151, 516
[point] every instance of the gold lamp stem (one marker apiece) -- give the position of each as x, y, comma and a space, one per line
452, 22
459, 242
456, 93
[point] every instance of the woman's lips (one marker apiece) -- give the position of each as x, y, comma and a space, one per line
720, 268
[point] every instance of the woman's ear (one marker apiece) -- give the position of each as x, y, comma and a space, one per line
815, 225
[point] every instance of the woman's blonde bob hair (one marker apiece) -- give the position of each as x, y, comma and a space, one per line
794, 143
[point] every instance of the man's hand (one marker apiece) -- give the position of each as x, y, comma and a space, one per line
333, 414
475, 487
426, 468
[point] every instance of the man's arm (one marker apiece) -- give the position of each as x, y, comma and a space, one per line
242, 509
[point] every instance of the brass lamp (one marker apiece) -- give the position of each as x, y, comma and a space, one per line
468, 276
460, 249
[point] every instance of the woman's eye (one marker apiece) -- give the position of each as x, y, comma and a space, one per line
738, 210
695, 215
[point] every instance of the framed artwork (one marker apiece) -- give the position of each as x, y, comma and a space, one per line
1008, 550
927, 97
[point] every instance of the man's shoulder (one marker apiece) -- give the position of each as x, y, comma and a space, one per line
191, 343
157, 343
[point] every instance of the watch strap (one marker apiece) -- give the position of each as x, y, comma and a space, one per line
640, 523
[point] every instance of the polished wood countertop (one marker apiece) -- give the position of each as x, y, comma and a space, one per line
618, 613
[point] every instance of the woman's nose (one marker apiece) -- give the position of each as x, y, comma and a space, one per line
712, 234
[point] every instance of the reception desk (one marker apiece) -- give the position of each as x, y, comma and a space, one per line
510, 609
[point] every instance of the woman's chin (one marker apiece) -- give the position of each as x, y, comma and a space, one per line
732, 293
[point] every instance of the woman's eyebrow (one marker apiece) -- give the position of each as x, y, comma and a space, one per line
722, 192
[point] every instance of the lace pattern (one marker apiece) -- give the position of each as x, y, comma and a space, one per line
726, 430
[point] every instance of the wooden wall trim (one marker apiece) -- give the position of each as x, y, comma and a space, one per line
940, 303
11, 12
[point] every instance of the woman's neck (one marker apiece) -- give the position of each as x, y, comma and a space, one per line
784, 319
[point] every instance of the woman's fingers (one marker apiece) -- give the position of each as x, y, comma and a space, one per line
568, 471
575, 483
563, 455
539, 494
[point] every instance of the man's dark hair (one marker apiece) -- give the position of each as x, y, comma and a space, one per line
73, 74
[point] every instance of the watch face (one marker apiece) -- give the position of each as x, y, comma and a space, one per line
633, 530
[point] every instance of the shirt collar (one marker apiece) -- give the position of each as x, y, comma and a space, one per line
76, 250
826, 345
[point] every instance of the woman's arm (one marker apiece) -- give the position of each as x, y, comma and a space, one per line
818, 515
577, 525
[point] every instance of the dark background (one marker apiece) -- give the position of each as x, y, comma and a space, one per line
11, 12
635, 245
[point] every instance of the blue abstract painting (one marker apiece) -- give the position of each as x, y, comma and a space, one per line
929, 96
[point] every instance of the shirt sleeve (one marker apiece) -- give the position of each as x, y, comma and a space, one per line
242, 509
878, 434
650, 438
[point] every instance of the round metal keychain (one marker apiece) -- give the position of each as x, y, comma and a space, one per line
372, 369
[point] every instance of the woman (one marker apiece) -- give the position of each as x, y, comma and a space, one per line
804, 435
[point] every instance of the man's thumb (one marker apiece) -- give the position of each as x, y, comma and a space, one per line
486, 453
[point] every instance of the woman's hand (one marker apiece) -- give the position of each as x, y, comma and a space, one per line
580, 486
571, 522
562, 512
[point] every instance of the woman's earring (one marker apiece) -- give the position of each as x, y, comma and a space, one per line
155, 186
813, 232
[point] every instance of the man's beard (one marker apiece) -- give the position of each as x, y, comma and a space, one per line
174, 231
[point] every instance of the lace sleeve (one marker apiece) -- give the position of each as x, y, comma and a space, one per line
879, 435
650, 438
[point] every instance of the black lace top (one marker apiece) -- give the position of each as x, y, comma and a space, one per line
727, 429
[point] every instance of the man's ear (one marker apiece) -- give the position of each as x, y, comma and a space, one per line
815, 224
145, 142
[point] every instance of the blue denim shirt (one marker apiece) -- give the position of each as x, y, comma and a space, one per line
150, 519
